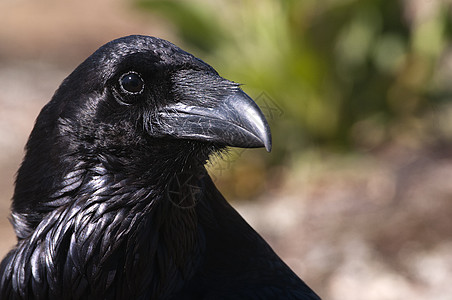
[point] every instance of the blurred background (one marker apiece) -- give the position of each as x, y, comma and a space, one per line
356, 195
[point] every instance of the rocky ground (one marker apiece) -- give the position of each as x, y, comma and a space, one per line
365, 228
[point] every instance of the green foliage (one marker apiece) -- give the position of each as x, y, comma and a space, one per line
342, 72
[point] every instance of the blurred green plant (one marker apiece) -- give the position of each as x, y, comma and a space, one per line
344, 73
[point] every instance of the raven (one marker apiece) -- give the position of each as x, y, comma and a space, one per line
112, 200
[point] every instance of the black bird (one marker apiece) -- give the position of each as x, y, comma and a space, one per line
112, 200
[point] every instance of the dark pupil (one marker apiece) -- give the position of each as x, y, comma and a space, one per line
132, 83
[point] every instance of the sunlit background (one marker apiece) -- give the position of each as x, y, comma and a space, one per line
356, 195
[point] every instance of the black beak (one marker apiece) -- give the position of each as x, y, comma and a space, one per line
236, 121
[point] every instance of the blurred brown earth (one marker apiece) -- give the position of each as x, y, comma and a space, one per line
362, 226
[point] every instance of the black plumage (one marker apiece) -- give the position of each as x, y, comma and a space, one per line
112, 200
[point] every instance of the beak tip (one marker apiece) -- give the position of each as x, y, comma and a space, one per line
268, 146
266, 136
266, 140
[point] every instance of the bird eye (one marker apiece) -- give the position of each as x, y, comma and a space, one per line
131, 83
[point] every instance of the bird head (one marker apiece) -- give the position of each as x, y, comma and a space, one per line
138, 103
144, 88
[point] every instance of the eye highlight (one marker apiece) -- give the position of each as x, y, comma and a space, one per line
131, 83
